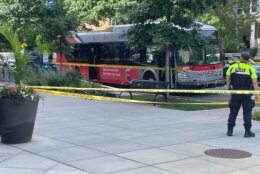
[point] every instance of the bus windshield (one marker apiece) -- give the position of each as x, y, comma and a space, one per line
209, 54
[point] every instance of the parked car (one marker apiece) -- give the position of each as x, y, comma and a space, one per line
231, 58
38, 60
2, 62
8, 58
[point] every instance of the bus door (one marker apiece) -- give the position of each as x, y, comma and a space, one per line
94, 60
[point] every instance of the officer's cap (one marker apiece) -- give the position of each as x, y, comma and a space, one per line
245, 55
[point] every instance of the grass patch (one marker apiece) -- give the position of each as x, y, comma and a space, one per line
89, 84
141, 97
256, 115
192, 107
173, 103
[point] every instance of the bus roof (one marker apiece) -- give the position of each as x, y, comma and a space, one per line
97, 37
198, 25
117, 34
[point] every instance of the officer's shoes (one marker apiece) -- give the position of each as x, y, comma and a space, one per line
230, 133
249, 134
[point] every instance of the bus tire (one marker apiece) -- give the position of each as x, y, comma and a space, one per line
149, 76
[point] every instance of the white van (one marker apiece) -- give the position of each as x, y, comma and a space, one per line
9, 58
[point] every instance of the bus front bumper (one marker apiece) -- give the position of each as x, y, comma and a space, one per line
201, 84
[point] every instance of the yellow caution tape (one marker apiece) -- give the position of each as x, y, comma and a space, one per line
152, 90
112, 99
112, 66
251, 61
93, 97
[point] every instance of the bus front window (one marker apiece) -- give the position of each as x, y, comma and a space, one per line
211, 49
190, 57
208, 54
198, 56
212, 53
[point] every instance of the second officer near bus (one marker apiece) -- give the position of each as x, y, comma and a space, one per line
241, 76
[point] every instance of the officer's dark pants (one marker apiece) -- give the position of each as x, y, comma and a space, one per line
235, 103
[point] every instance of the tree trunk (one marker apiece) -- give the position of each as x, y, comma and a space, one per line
167, 69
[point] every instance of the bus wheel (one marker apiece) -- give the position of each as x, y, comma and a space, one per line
149, 76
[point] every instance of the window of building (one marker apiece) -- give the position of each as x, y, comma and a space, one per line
255, 6
257, 31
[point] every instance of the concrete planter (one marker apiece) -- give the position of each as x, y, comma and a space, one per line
17, 120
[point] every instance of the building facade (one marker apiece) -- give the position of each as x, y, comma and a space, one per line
255, 28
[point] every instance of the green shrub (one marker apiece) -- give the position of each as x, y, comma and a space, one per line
51, 78
256, 115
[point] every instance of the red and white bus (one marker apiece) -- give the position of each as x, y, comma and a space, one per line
106, 58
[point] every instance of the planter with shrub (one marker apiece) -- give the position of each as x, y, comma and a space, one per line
18, 108
18, 103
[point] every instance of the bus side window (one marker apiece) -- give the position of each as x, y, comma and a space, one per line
106, 54
143, 56
84, 51
123, 54
114, 53
76, 53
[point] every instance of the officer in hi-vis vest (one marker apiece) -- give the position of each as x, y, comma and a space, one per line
241, 76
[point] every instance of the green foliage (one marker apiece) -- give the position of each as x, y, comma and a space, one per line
57, 21
256, 115
18, 92
31, 18
63, 46
191, 107
21, 13
20, 57
11, 36
232, 21
164, 35
4, 46
89, 84
94, 11
51, 78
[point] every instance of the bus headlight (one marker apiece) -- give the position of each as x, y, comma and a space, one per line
182, 75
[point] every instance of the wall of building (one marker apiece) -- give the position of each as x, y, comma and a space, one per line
255, 28
104, 26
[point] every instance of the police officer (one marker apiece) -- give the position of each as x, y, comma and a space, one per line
241, 76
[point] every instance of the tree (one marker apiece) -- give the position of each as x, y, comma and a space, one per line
21, 13
57, 21
164, 35
21, 58
44, 19
94, 11
233, 23
169, 34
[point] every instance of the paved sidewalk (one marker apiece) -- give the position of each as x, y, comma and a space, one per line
76, 136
